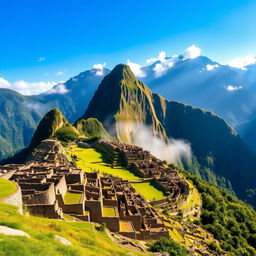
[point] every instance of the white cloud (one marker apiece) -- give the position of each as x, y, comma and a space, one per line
34, 106
41, 59
59, 73
151, 60
165, 63
241, 63
210, 67
173, 151
4, 83
136, 69
161, 57
27, 88
99, 69
233, 88
192, 52
58, 89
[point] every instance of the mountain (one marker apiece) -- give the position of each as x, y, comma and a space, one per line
53, 124
247, 131
20, 115
73, 96
91, 128
206, 84
121, 100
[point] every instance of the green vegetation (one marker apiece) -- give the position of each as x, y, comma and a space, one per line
66, 134
148, 191
72, 198
91, 128
90, 160
109, 212
52, 123
165, 245
6, 188
85, 238
193, 201
123, 100
230, 220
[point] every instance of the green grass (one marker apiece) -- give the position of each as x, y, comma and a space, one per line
109, 212
90, 160
85, 239
72, 198
6, 188
148, 191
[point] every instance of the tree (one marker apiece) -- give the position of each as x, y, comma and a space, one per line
165, 245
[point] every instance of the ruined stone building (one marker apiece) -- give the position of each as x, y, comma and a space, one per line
52, 186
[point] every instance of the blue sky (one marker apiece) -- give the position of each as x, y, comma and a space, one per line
70, 36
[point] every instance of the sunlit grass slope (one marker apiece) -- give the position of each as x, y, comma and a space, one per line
6, 188
85, 239
90, 160
149, 191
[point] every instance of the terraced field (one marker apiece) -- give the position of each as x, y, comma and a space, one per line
148, 191
91, 160
72, 198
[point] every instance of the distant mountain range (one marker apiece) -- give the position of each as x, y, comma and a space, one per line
219, 154
229, 92
121, 102
20, 115
224, 90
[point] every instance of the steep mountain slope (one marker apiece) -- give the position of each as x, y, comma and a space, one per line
52, 123
20, 115
91, 127
247, 131
18, 120
121, 100
206, 84
73, 96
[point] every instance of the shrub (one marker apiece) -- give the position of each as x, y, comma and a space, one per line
165, 245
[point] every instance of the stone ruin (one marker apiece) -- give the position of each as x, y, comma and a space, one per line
148, 167
53, 187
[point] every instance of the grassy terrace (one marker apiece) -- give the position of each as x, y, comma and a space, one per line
6, 188
85, 239
148, 191
90, 160
72, 198
194, 200
109, 212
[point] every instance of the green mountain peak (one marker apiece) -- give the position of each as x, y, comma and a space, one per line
122, 99
53, 123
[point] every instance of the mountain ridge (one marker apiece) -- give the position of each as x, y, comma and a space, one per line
214, 143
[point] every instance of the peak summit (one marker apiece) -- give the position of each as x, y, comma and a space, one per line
122, 98
51, 122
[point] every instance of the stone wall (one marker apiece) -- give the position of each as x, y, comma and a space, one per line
112, 223
44, 197
73, 208
95, 209
61, 187
49, 211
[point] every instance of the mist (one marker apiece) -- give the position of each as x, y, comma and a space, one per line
172, 150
